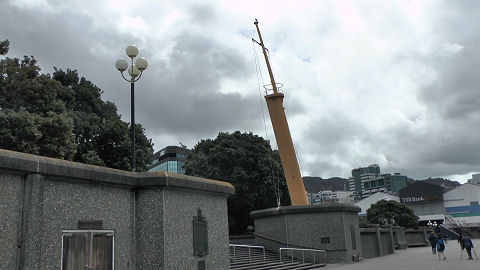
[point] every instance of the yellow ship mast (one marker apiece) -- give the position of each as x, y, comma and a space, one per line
291, 170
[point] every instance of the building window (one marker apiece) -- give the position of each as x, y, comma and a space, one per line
374, 183
380, 182
87, 249
474, 203
325, 240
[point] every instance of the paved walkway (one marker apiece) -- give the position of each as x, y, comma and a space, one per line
419, 258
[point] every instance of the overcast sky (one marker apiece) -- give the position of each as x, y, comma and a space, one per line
387, 82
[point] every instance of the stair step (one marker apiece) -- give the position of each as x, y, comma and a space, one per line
255, 260
265, 265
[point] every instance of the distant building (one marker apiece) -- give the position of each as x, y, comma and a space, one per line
367, 181
426, 201
462, 206
360, 176
170, 159
329, 196
475, 179
367, 202
395, 182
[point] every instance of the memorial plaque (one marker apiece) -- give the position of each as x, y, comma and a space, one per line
201, 265
200, 235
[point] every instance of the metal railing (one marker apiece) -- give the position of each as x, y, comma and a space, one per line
303, 250
249, 250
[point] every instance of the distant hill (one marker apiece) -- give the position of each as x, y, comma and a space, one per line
316, 184
442, 182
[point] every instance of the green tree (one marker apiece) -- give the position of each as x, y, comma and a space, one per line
249, 164
385, 210
63, 116
4, 46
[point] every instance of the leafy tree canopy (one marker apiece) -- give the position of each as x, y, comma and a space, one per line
249, 164
386, 210
4, 46
63, 116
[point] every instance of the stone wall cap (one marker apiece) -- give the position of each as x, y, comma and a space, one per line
284, 210
151, 179
29, 164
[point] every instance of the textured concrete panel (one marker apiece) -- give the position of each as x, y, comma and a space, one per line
370, 247
306, 226
180, 208
67, 202
10, 188
352, 235
149, 229
31, 252
416, 237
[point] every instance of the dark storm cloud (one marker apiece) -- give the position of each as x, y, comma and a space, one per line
455, 94
333, 140
332, 133
187, 90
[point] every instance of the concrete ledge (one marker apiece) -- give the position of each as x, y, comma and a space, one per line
166, 179
334, 207
67, 170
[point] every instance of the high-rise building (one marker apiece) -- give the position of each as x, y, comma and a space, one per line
361, 175
367, 181
170, 159
395, 182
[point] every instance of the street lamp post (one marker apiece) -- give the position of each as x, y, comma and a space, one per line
434, 225
135, 71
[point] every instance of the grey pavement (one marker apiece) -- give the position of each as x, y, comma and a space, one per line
417, 258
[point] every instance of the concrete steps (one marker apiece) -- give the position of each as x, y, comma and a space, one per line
243, 260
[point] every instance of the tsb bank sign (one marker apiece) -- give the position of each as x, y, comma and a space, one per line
421, 192
412, 199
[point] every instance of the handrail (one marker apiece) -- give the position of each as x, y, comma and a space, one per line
249, 250
287, 244
303, 252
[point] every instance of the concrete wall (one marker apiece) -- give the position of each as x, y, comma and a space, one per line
305, 226
399, 239
416, 237
10, 190
370, 245
151, 214
377, 241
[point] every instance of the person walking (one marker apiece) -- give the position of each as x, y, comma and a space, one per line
468, 245
440, 247
433, 243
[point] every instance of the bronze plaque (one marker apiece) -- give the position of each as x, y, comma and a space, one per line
200, 235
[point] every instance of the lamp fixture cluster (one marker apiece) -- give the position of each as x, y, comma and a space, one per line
136, 69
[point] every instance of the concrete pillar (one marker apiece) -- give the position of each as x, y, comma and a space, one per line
391, 238
30, 245
379, 240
